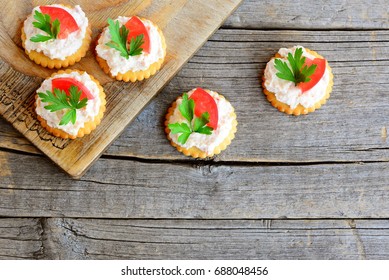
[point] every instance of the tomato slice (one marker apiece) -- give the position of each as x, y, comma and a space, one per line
204, 102
65, 84
136, 27
67, 22
315, 78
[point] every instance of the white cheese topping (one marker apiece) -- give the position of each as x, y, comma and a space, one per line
118, 63
84, 115
286, 91
57, 48
206, 143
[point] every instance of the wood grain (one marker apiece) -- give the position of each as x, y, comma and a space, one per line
221, 239
31, 186
124, 101
303, 14
65, 238
348, 128
21, 239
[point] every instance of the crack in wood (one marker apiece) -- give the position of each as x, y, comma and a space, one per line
295, 28
359, 243
41, 254
68, 226
215, 163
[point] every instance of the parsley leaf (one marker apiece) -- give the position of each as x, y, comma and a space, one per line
119, 37
198, 125
284, 71
183, 137
60, 101
44, 23
200, 122
299, 73
182, 128
69, 116
135, 45
186, 108
119, 40
179, 128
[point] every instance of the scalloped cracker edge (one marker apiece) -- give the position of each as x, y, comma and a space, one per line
88, 126
194, 151
299, 110
133, 76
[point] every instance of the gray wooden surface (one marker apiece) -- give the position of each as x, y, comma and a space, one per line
65, 238
308, 187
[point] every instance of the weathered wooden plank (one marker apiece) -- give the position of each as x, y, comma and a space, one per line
10, 138
302, 14
350, 127
31, 186
21, 239
220, 239
64, 238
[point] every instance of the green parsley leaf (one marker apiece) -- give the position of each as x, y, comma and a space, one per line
205, 130
183, 138
59, 101
119, 37
40, 38
308, 71
55, 28
186, 108
71, 115
196, 125
284, 71
299, 73
179, 128
297, 60
119, 40
135, 45
44, 23
200, 122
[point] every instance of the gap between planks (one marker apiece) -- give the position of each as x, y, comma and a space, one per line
259, 219
209, 162
264, 28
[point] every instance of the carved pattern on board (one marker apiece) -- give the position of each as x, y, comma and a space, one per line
17, 95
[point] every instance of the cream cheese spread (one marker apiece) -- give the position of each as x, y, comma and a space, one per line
57, 48
119, 64
206, 143
85, 114
286, 91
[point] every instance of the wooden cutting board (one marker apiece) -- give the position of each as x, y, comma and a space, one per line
187, 24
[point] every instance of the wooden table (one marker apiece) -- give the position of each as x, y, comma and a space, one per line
308, 187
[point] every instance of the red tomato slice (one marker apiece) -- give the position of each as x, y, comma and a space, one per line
65, 84
204, 102
315, 78
67, 22
136, 27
